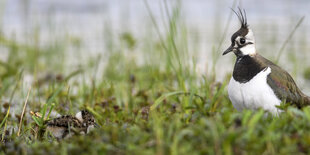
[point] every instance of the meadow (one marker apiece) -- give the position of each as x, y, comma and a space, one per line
145, 94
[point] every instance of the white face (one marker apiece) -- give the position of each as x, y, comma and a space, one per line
249, 48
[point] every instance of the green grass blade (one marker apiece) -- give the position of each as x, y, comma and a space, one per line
5, 118
161, 98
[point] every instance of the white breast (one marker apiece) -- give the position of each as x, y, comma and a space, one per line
57, 132
254, 94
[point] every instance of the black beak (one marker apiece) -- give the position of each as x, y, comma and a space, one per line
229, 49
96, 125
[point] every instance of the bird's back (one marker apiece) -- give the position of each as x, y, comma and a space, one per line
65, 121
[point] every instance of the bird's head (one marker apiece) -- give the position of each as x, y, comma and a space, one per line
242, 41
86, 118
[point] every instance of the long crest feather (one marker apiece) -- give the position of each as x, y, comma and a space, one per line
242, 17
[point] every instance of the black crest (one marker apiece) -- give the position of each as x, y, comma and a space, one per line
242, 17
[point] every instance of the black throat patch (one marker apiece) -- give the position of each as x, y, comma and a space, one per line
246, 67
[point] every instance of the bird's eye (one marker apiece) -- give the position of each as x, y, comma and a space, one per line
242, 41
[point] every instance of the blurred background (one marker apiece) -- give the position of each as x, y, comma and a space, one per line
83, 32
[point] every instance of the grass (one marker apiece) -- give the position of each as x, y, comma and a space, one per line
159, 106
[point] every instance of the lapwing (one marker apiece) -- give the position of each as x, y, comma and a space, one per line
65, 126
256, 82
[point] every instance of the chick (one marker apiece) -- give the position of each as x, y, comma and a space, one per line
63, 127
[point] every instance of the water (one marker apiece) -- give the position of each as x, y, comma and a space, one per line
205, 20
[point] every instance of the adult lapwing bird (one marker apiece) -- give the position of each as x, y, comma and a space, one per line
256, 82
65, 126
